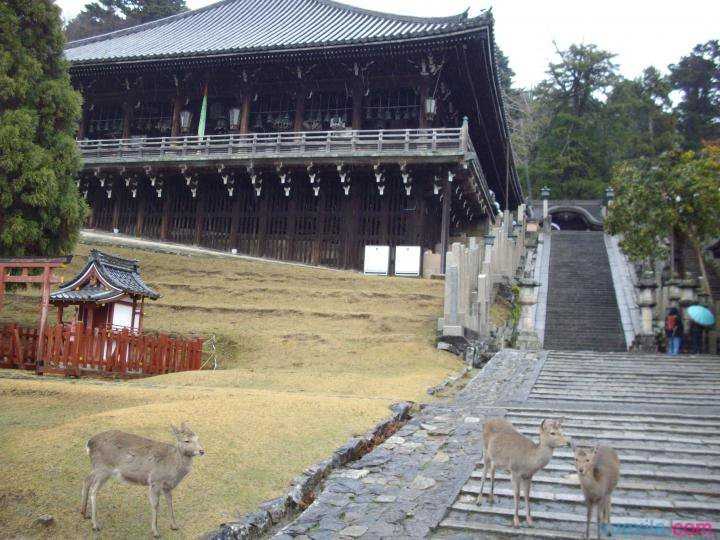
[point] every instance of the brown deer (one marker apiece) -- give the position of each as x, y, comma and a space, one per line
141, 461
598, 471
505, 448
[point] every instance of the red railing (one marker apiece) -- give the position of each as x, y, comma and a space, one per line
75, 350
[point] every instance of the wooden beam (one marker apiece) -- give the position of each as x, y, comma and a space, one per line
44, 306
357, 108
115, 211
165, 219
234, 219
199, 216
127, 119
445, 224
299, 111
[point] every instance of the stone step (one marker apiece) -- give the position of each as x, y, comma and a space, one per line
485, 530
633, 397
572, 422
542, 411
649, 373
709, 490
576, 496
577, 517
643, 472
563, 396
653, 390
620, 418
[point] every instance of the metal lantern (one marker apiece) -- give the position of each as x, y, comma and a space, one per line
609, 195
234, 117
545, 193
430, 108
185, 118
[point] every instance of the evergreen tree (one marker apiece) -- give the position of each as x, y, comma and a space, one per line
103, 16
40, 209
697, 76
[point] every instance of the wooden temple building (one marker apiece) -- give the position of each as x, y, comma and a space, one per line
300, 130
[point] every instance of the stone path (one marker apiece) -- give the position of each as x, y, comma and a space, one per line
661, 415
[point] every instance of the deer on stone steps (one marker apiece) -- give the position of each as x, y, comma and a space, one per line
598, 471
505, 448
141, 461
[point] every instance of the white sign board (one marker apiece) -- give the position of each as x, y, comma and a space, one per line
377, 260
407, 260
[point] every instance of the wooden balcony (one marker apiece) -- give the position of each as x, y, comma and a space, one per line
433, 144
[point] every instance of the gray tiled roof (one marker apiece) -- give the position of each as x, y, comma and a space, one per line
121, 274
262, 25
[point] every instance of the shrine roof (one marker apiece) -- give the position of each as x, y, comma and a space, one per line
243, 26
117, 275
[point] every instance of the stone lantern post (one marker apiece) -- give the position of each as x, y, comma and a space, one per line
609, 198
527, 337
545, 196
646, 302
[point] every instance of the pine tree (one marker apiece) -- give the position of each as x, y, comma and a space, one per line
40, 209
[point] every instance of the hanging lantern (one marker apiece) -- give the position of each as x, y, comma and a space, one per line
234, 117
430, 108
185, 118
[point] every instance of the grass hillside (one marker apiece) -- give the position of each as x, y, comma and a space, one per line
308, 358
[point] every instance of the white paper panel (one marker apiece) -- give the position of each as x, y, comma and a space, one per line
407, 260
122, 315
377, 260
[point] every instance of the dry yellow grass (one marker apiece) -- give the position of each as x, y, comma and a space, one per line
309, 357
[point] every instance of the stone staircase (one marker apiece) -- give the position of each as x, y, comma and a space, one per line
661, 415
582, 311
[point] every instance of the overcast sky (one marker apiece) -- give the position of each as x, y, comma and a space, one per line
640, 32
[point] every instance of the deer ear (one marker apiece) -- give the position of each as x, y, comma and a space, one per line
175, 431
542, 425
185, 428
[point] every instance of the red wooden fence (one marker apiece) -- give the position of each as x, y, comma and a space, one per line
74, 350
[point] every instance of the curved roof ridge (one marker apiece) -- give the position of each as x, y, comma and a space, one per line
459, 18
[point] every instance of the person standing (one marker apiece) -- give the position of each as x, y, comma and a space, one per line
673, 331
696, 337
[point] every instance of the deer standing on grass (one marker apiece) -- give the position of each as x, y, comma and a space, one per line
138, 460
598, 471
505, 448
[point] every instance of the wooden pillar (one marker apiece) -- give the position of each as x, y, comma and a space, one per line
445, 224
132, 317
140, 222
165, 219
419, 215
234, 222
299, 111
351, 219
177, 107
82, 126
263, 209
115, 212
199, 216
127, 119
245, 115
47, 274
142, 314
60, 314
90, 311
357, 108
424, 92
292, 252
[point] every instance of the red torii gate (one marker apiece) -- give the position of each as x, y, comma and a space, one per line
32, 270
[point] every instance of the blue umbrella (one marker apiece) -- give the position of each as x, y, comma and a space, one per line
701, 315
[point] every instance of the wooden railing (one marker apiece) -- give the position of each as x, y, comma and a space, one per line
302, 144
75, 350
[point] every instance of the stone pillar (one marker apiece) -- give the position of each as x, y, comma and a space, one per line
673, 293
545, 195
527, 337
687, 299
645, 341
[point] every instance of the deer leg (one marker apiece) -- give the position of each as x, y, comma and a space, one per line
526, 488
491, 498
168, 498
600, 515
98, 481
486, 464
587, 523
85, 489
516, 495
608, 510
154, 495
